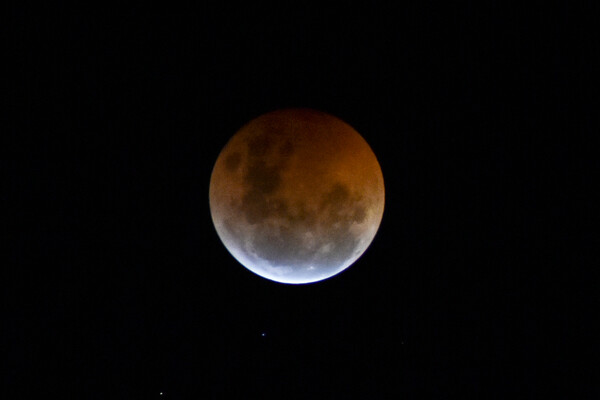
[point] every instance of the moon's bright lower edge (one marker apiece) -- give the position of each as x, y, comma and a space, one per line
296, 196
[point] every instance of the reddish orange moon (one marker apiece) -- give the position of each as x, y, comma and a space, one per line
296, 196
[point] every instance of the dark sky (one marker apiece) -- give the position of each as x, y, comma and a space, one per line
478, 283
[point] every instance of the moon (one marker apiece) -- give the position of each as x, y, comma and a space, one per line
296, 195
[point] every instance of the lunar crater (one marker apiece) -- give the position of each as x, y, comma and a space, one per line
233, 161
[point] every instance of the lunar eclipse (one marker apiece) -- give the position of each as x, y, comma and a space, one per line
296, 196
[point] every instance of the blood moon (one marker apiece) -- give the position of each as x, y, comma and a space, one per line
296, 195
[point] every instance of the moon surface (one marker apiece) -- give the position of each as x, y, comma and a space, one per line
296, 195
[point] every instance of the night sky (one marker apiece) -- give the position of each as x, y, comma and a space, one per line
478, 284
